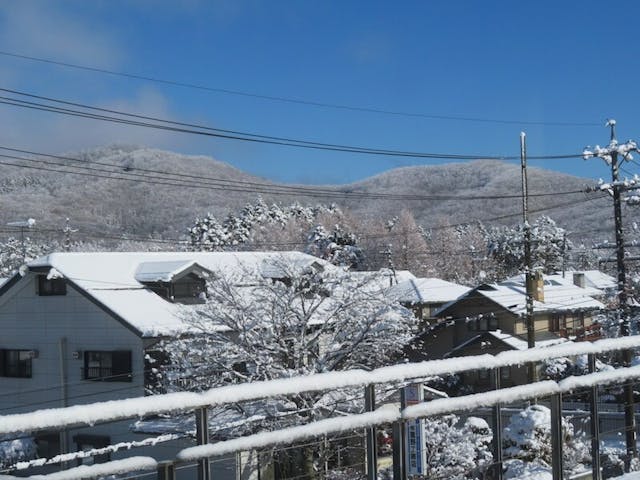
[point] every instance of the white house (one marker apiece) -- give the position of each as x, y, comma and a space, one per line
77, 327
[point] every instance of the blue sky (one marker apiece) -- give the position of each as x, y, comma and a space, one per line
543, 61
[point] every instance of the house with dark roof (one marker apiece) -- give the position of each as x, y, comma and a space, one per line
491, 318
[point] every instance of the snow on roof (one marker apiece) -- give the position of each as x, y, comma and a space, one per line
162, 271
518, 343
511, 294
427, 290
113, 279
385, 277
597, 279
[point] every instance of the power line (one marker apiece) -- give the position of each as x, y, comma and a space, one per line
180, 127
277, 98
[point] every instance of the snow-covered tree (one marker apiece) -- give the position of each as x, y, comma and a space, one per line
252, 224
13, 254
338, 246
527, 443
457, 451
548, 247
408, 245
308, 321
456, 253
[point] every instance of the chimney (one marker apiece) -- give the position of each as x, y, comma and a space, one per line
537, 286
579, 280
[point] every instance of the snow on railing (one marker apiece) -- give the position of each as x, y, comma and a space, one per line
388, 414
127, 465
93, 413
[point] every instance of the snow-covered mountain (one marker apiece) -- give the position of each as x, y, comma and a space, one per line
98, 201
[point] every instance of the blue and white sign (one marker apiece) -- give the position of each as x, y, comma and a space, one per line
416, 452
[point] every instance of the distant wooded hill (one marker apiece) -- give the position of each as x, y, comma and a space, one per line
102, 203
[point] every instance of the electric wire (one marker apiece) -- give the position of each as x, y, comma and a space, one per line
180, 127
299, 101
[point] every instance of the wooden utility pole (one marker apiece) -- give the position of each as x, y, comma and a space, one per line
528, 264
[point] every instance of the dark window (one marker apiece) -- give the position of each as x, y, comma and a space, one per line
108, 366
51, 286
483, 375
483, 323
505, 373
48, 444
493, 323
472, 325
92, 442
16, 363
190, 289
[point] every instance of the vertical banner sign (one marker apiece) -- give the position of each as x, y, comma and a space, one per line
416, 454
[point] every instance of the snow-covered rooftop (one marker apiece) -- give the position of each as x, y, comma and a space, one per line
511, 295
518, 343
114, 279
162, 271
427, 290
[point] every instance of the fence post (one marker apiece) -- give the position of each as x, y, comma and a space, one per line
398, 436
556, 436
497, 429
202, 438
596, 474
371, 434
166, 470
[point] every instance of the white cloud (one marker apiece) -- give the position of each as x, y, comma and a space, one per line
50, 133
37, 28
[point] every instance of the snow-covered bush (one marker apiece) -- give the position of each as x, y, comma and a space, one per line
457, 451
16, 450
527, 439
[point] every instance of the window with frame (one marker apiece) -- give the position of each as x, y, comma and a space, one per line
557, 322
15, 363
107, 366
51, 286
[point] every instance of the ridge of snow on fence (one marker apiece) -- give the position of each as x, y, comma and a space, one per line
127, 465
387, 414
93, 413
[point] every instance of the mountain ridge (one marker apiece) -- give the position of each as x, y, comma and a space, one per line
112, 205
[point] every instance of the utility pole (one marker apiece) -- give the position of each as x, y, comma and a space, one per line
528, 264
610, 155
67, 230
388, 253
